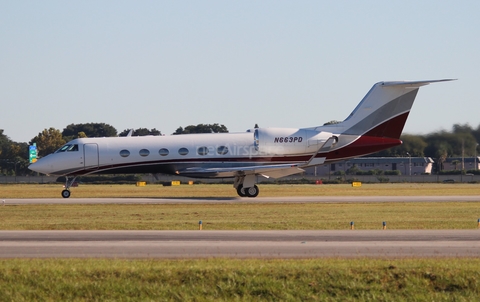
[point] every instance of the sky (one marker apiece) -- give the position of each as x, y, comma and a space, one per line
166, 64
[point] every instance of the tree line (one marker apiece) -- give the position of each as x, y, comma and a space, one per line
460, 141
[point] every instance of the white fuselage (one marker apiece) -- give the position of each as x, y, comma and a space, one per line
181, 154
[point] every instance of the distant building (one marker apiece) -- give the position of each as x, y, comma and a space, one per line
455, 163
406, 165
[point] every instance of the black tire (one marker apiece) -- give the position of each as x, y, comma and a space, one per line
252, 191
241, 191
65, 193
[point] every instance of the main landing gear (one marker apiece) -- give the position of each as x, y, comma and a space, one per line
247, 192
68, 184
245, 185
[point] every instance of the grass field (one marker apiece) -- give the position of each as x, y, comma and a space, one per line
241, 216
240, 280
223, 190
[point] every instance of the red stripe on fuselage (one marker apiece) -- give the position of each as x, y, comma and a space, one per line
384, 136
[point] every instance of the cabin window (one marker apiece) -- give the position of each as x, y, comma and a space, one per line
222, 150
144, 152
163, 152
124, 153
202, 151
183, 151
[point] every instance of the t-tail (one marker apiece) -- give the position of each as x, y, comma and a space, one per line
384, 110
378, 120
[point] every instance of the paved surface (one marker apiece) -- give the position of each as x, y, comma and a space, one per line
306, 199
239, 244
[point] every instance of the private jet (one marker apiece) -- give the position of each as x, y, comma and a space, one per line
374, 125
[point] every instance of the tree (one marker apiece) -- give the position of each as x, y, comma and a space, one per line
202, 128
454, 144
353, 170
413, 144
4, 144
90, 130
13, 156
48, 141
141, 132
456, 162
476, 134
440, 156
458, 128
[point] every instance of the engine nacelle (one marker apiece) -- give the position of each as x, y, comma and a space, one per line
291, 141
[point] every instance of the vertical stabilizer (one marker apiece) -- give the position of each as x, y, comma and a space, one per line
384, 110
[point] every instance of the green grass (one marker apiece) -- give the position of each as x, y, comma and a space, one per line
222, 190
240, 280
241, 216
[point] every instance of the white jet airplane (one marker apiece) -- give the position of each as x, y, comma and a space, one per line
374, 125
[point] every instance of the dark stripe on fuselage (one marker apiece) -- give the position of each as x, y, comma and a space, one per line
177, 165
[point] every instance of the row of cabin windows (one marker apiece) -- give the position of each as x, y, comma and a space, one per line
222, 150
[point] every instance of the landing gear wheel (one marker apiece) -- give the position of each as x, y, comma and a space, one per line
241, 191
252, 191
65, 193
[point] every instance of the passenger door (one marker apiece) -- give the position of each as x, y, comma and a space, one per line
91, 156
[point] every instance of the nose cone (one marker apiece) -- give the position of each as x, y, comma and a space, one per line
43, 165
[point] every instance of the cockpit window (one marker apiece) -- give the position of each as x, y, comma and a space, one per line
63, 149
73, 148
68, 148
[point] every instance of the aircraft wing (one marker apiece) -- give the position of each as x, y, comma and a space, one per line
268, 171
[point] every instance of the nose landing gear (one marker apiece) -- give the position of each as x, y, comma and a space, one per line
68, 184
66, 193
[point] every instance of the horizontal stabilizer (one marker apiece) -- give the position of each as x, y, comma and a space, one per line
414, 83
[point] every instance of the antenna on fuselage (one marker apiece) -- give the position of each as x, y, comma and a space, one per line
130, 133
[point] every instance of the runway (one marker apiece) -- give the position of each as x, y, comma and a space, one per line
222, 200
240, 244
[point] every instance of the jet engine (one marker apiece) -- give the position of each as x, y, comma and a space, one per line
292, 141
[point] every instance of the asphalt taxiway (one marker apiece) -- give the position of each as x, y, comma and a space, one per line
240, 244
